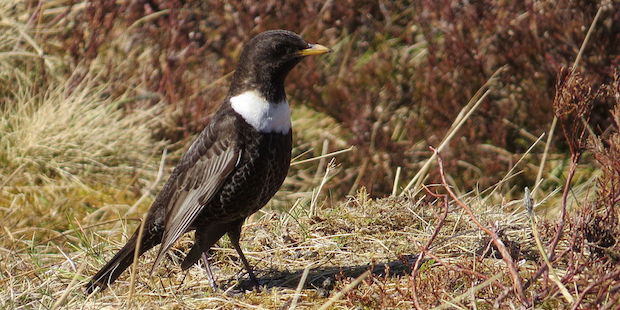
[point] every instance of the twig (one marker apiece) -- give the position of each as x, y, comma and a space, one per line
462, 270
575, 154
574, 67
592, 285
463, 116
571, 169
514, 274
470, 291
322, 156
569, 178
321, 166
145, 19
502, 296
360, 175
416, 266
7, 179
543, 268
416, 180
136, 253
300, 286
587, 38
396, 179
543, 160
134, 264
509, 173
315, 197
61, 301
613, 302
151, 188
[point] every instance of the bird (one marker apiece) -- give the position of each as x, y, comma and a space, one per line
234, 166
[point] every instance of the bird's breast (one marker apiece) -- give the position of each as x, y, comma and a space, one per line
262, 168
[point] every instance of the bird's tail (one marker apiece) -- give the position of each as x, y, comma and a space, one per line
121, 261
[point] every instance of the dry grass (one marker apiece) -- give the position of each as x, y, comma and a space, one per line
338, 242
88, 91
66, 146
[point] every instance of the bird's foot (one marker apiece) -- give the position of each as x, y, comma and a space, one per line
248, 285
253, 279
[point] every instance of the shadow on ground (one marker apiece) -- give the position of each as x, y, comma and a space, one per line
323, 279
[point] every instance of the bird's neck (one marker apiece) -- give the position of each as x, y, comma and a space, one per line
257, 94
272, 90
267, 81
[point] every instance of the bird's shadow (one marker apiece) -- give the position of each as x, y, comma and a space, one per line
323, 279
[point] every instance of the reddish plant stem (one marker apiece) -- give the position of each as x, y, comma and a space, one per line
542, 269
418, 261
592, 285
612, 303
501, 297
514, 274
551, 290
463, 270
560, 229
571, 173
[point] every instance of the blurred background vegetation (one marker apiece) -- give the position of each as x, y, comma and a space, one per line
400, 74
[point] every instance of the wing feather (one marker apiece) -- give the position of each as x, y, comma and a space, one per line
203, 179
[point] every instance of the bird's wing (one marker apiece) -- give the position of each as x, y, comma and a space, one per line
206, 165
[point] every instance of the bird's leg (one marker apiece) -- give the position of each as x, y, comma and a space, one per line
245, 263
211, 278
235, 235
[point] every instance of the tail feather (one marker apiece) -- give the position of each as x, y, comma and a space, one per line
119, 263
206, 236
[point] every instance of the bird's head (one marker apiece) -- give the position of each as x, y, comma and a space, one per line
268, 57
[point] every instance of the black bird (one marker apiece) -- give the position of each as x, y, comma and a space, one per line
233, 168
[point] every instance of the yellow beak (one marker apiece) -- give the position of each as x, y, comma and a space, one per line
315, 49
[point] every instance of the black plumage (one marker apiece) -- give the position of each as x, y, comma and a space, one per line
234, 166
